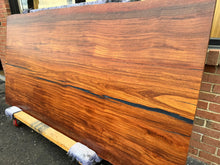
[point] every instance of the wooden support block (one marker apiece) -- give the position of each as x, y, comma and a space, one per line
51, 134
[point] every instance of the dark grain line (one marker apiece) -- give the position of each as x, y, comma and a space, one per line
177, 133
158, 110
21, 67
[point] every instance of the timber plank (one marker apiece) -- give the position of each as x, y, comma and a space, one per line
56, 137
121, 78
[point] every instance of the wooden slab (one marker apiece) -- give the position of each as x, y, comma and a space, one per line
122, 78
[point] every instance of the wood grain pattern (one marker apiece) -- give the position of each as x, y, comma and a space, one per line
122, 78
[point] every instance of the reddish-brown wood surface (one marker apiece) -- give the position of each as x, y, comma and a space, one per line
122, 78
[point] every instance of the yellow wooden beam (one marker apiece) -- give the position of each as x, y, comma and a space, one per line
215, 33
56, 137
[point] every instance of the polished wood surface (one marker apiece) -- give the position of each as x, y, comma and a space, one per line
121, 78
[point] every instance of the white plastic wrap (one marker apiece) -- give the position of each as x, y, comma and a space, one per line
83, 154
9, 112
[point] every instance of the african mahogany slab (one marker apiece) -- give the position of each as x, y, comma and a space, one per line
121, 78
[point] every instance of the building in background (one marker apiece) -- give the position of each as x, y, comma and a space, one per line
24, 5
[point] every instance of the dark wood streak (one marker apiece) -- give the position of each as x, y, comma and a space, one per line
126, 102
121, 78
116, 99
19, 67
